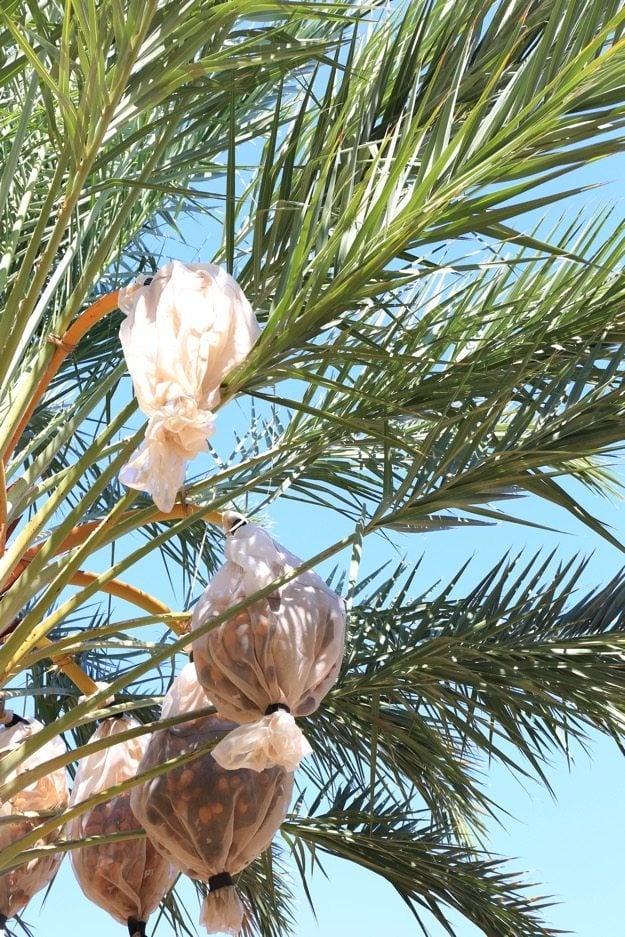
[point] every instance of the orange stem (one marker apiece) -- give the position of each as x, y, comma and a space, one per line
64, 346
79, 534
124, 590
76, 674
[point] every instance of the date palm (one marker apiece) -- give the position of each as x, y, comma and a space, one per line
362, 170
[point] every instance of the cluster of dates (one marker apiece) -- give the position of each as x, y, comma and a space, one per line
272, 659
220, 805
21, 814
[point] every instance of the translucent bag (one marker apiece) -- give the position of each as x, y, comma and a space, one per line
185, 695
209, 821
276, 659
187, 327
48, 793
128, 878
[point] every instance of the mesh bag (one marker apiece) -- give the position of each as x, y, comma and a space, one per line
49, 793
276, 659
185, 329
209, 821
185, 695
126, 878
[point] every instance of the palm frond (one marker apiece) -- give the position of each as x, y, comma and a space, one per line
426, 872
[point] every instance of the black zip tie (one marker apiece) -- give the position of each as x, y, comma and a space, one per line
221, 880
274, 707
136, 928
242, 522
147, 281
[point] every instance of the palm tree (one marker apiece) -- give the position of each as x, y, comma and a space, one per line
424, 357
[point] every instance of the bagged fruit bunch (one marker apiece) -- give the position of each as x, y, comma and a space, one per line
127, 878
210, 822
185, 695
274, 660
48, 793
186, 328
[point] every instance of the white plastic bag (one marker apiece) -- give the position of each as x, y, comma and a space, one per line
186, 328
49, 793
126, 878
209, 821
185, 695
276, 659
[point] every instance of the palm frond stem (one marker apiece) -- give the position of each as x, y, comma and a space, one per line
73, 670
130, 520
123, 590
65, 344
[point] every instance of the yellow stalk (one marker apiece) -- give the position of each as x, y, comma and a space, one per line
65, 344
73, 670
122, 590
128, 593
79, 534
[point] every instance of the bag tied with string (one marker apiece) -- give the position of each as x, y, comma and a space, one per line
127, 878
186, 328
27, 810
210, 822
274, 660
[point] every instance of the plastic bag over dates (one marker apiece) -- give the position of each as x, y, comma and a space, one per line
187, 327
276, 659
185, 695
209, 821
48, 793
127, 878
